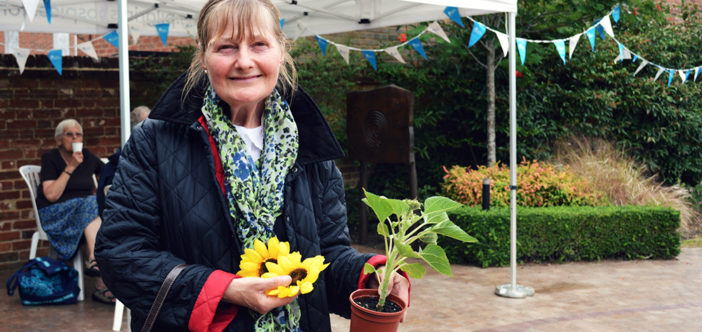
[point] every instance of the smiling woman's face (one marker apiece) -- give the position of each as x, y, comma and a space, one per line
243, 70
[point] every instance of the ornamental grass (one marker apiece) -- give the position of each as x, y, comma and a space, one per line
624, 181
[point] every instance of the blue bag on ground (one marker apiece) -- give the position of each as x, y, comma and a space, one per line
44, 280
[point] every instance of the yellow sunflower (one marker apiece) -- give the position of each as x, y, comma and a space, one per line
303, 273
253, 261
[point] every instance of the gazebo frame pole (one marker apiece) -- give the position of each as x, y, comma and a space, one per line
512, 290
124, 107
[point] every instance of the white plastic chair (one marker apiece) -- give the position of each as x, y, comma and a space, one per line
30, 174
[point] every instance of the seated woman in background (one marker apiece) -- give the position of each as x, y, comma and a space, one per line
66, 201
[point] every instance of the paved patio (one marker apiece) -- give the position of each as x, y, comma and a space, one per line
645, 295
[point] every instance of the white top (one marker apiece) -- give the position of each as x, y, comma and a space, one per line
253, 137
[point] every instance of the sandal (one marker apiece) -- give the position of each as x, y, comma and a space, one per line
92, 270
100, 295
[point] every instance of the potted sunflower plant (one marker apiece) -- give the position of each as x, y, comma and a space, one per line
410, 231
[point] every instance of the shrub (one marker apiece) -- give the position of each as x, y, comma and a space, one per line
558, 234
540, 184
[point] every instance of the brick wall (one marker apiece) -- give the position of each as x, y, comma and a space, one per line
41, 43
31, 105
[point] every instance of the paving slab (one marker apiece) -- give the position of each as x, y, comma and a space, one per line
611, 295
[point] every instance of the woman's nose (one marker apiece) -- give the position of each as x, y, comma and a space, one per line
244, 59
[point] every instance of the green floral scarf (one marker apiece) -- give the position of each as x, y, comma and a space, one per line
254, 188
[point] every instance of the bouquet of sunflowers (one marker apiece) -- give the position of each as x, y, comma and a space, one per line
275, 259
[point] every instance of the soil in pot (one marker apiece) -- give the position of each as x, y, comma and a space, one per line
371, 303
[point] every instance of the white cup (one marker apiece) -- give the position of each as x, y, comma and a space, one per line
77, 146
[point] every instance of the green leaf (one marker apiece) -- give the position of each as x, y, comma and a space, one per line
436, 258
368, 269
437, 217
405, 249
380, 205
447, 228
383, 229
429, 238
399, 207
440, 203
415, 270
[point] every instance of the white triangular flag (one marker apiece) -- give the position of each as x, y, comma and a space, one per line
641, 66
135, 29
30, 7
660, 71
504, 42
437, 30
607, 25
697, 72
344, 51
190, 29
300, 29
61, 42
11, 41
395, 53
21, 55
88, 49
682, 74
571, 44
626, 54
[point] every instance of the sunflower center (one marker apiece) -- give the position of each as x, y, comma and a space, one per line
297, 275
263, 269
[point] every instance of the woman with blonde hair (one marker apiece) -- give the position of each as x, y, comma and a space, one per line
233, 153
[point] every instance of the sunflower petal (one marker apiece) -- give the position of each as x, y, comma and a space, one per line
275, 268
306, 287
261, 249
273, 247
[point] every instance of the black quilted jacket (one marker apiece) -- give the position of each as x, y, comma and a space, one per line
165, 207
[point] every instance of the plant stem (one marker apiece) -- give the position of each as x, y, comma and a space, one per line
387, 273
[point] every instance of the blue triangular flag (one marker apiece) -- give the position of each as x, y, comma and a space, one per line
634, 58
477, 33
687, 74
621, 52
521, 47
162, 30
591, 36
560, 46
370, 56
56, 58
322, 44
670, 76
47, 6
282, 22
417, 45
112, 38
600, 29
615, 14
454, 15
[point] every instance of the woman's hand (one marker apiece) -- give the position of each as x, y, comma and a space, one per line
251, 293
75, 160
398, 286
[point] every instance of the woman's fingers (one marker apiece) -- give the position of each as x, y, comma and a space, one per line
251, 293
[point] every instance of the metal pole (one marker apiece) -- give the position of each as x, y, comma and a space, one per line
124, 107
513, 290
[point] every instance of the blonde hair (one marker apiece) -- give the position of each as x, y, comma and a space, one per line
66, 124
247, 17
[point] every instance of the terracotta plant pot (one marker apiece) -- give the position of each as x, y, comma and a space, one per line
366, 320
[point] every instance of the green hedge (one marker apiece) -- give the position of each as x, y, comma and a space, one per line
557, 234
